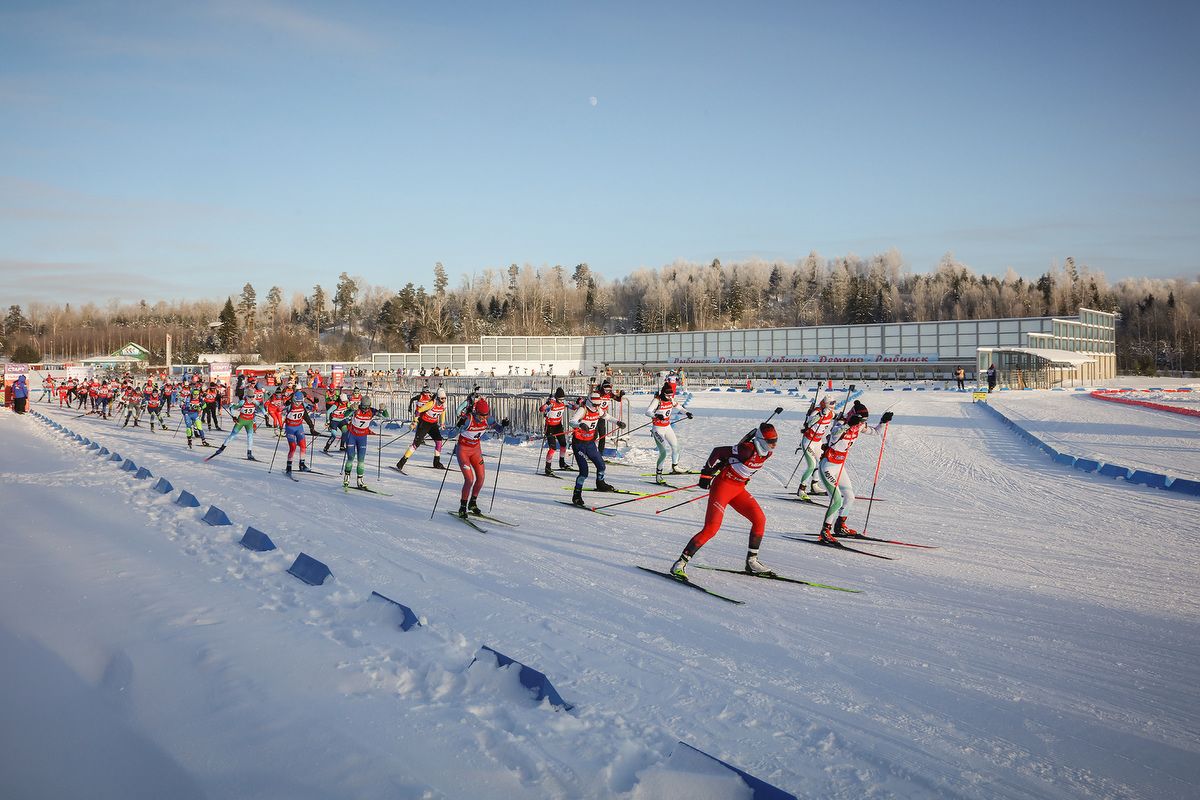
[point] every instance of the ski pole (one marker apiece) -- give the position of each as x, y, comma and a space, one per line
379, 456
278, 439
499, 461
874, 483
647, 496
684, 503
778, 410
812, 406
453, 452
542, 446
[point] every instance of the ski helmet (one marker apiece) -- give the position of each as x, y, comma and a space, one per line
344, 397
860, 409
593, 399
441, 393
857, 416
481, 407
559, 394
765, 438
364, 401
606, 384
667, 390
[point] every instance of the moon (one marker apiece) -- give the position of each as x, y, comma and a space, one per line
593, 101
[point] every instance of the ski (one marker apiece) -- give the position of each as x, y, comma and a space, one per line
664, 484
585, 508
490, 518
467, 521
213, 455
290, 475
393, 468
313, 472
688, 582
862, 538
672, 472
366, 489
840, 546
431, 466
614, 491
777, 577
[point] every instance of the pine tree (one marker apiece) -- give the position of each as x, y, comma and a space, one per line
227, 334
247, 308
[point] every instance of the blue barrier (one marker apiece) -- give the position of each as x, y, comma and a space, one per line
187, 500
1080, 389
888, 389
759, 789
163, 486
1152, 479
408, 619
1086, 464
114, 457
1185, 486
256, 540
1064, 458
215, 516
530, 678
143, 473
1115, 471
392, 426
129, 466
309, 570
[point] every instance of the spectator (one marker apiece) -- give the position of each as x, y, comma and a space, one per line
20, 395
960, 375
991, 377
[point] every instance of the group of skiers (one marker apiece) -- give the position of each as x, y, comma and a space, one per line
578, 425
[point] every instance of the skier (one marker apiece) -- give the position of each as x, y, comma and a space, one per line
275, 412
816, 426
607, 404
358, 431
295, 418
190, 406
429, 420
338, 409
419, 399
662, 407
133, 406
833, 471
728, 471
584, 425
473, 424
554, 409
154, 402
210, 407
244, 420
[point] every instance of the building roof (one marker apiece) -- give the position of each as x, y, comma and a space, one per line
1058, 358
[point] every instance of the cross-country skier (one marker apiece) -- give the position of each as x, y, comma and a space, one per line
338, 410
191, 406
833, 470
244, 419
660, 411
154, 402
211, 397
472, 425
358, 432
609, 399
554, 410
584, 424
728, 471
429, 423
816, 426
295, 418
133, 406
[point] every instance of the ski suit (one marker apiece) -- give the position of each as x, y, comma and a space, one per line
294, 421
470, 454
584, 423
660, 411
190, 407
337, 422
816, 426
244, 419
358, 432
429, 420
734, 466
153, 402
556, 437
833, 467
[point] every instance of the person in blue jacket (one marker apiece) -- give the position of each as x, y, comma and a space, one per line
20, 395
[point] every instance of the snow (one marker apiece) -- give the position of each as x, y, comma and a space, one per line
1050, 648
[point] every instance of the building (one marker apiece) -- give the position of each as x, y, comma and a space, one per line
1027, 351
130, 357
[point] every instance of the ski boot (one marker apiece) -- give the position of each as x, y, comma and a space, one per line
135, 424
126, 425
826, 536
800, 493
304, 467
817, 490
562, 464
841, 529
346, 481
250, 456
547, 471
462, 510
675, 470
288, 470
678, 569
604, 486
474, 508
360, 483
327, 446
437, 462
756, 567
400, 464
577, 498
189, 443
220, 450
659, 479
204, 442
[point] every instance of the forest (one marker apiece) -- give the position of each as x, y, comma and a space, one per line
1158, 331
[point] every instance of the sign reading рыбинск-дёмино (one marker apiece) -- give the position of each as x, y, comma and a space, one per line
867, 358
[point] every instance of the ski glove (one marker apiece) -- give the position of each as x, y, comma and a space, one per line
504, 422
620, 425
688, 414
886, 418
705, 481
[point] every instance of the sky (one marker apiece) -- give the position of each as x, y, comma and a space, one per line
181, 149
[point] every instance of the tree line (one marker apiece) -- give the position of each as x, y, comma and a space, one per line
1159, 328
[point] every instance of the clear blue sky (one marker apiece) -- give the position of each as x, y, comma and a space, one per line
169, 149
